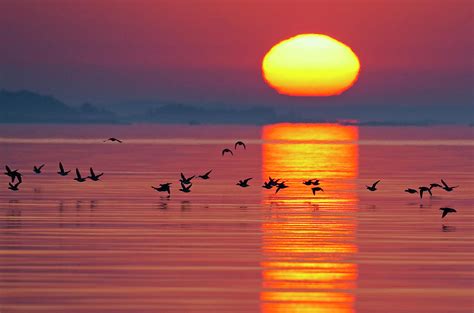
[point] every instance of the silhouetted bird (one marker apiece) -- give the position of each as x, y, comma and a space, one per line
280, 186
112, 139
205, 176
315, 182
62, 172
272, 181
435, 185
314, 189
424, 189
447, 188
93, 176
308, 182
185, 188
163, 188
227, 151
78, 177
373, 188
239, 143
410, 190
267, 185
14, 187
244, 183
37, 170
185, 180
13, 174
446, 211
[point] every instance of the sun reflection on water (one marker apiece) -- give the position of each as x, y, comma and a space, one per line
308, 241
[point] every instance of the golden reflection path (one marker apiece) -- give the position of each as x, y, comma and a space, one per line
309, 241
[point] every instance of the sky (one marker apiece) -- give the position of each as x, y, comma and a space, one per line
209, 52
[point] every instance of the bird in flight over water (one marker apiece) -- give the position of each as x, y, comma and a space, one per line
163, 188
14, 187
78, 177
244, 183
113, 139
373, 187
267, 185
62, 172
446, 211
185, 188
226, 150
410, 190
185, 180
446, 187
240, 143
37, 169
425, 189
205, 176
281, 186
13, 174
93, 176
314, 189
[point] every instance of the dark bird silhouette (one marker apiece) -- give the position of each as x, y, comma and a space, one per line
13, 174
185, 180
205, 176
424, 189
272, 181
239, 143
314, 189
244, 183
373, 187
62, 172
435, 185
446, 211
227, 151
112, 139
163, 188
308, 182
280, 186
93, 176
267, 185
185, 188
446, 187
78, 177
14, 187
315, 182
410, 190
37, 170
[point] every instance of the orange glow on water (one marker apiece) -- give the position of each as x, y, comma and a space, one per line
310, 65
307, 265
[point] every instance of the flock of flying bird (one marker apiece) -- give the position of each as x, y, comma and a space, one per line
186, 183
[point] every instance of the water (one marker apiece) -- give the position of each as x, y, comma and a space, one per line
119, 246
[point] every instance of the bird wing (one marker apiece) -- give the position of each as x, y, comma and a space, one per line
182, 177
208, 173
445, 212
313, 190
444, 183
8, 169
78, 174
421, 193
246, 180
191, 177
92, 171
375, 184
41, 166
429, 191
17, 184
18, 176
120, 141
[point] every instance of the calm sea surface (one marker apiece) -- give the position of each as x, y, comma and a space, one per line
119, 246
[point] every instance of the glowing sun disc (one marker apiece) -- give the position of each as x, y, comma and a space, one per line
310, 65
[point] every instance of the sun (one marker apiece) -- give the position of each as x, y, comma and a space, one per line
310, 65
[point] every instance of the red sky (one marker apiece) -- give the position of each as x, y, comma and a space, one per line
210, 51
